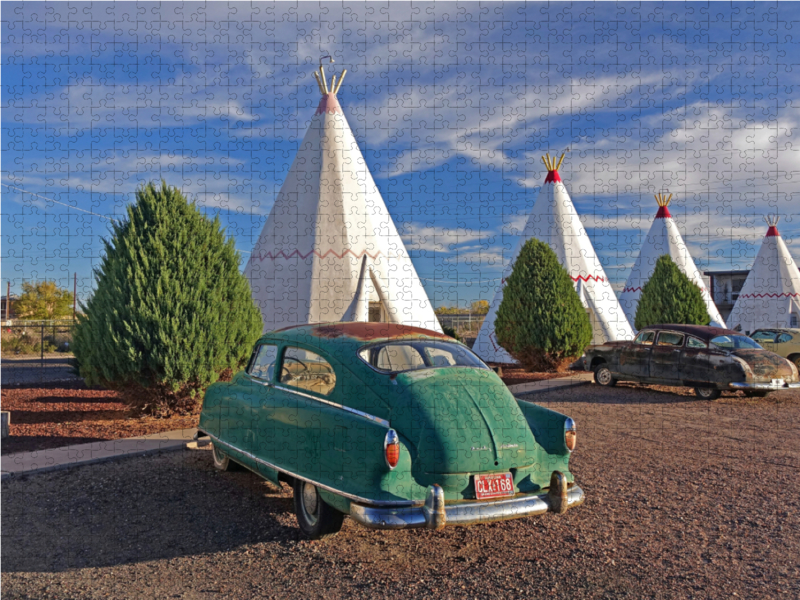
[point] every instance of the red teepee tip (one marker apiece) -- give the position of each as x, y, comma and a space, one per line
773, 231
663, 213
329, 104
552, 177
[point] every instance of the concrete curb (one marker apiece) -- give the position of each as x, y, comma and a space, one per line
549, 385
68, 457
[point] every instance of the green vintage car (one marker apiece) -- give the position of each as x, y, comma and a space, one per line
395, 426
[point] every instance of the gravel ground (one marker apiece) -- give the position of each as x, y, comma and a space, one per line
685, 499
63, 414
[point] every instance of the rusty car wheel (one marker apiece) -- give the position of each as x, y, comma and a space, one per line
707, 393
316, 518
602, 375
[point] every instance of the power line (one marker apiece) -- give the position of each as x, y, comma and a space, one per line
61, 203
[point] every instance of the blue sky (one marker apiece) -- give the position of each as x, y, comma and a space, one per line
452, 105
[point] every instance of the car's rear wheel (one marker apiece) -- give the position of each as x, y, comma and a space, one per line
707, 393
796, 360
602, 376
221, 460
316, 518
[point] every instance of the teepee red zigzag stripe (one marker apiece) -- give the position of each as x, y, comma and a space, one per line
768, 295
587, 278
294, 253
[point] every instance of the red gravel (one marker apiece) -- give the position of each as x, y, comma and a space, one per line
68, 414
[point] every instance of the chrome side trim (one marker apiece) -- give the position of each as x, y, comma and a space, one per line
467, 512
322, 486
258, 381
354, 411
763, 386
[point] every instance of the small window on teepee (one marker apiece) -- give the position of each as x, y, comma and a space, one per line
376, 314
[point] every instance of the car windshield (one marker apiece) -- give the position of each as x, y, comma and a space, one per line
735, 342
393, 357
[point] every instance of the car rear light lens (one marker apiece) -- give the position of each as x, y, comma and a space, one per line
570, 434
391, 448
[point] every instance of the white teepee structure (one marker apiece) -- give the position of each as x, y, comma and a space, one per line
770, 296
329, 250
554, 221
663, 238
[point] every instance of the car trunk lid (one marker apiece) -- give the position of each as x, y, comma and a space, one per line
461, 420
766, 366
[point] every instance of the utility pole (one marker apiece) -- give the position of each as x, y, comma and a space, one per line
8, 300
75, 298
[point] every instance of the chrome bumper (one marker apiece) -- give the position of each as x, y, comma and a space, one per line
435, 514
764, 386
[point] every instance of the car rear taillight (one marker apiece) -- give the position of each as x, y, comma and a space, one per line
570, 434
391, 448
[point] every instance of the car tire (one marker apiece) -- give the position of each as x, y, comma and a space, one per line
707, 393
602, 376
796, 360
222, 461
317, 519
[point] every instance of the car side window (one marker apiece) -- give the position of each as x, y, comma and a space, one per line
308, 371
645, 338
784, 337
263, 364
764, 336
695, 343
665, 338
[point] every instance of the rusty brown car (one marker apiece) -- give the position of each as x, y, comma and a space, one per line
709, 359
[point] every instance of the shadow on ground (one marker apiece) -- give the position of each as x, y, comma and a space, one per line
137, 510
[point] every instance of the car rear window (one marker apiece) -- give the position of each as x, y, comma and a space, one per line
784, 337
735, 342
393, 357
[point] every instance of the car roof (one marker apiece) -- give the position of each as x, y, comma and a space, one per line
355, 333
701, 331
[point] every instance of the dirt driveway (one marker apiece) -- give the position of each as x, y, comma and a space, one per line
685, 499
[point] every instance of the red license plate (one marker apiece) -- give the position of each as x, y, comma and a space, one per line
493, 486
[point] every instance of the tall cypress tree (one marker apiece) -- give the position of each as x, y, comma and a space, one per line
171, 311
541, 321
670, 297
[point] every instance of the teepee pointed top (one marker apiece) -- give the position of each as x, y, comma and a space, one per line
552, 167
663, 202
329, 103
772, 221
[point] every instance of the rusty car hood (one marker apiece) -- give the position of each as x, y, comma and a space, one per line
767, 365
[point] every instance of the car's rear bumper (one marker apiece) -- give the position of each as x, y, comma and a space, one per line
435, 513
764, 386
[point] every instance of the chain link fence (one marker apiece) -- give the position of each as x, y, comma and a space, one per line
36, 352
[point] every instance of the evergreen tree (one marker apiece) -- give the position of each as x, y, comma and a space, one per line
541, 321
670, 297
171, 312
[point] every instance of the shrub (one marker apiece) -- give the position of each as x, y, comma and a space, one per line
541, 321
670, 297
171, 311
451, 331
